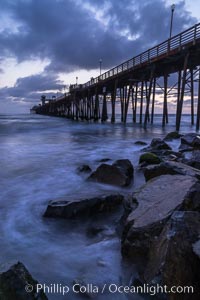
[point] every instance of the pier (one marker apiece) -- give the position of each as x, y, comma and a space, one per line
135, 84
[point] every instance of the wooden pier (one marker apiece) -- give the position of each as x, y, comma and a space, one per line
136, 83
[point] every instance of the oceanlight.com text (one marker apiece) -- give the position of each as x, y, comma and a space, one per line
112, 288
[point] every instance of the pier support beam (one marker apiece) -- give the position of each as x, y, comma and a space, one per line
153, 100
148, 98
180, 103
113, 100
198, 105
104, 115
141, 101
96, 106
178, 93
92, 106
127, 99
135, 102
122, 103
165, 113
192, 96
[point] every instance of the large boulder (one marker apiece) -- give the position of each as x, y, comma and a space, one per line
157, 200
83, 208
120, 173
16, 283
192, 140
170, 167
174, 257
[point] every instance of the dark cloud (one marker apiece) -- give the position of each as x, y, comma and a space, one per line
68, 33
32, 87
39, 82
75, 34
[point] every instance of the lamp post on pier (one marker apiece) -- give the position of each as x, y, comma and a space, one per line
76, 80
100, 63
171, 23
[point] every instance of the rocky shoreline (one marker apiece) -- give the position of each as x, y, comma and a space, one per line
158, 224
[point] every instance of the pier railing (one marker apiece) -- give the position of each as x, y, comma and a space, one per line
175, 43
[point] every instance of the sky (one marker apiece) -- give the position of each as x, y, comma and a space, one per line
46, 44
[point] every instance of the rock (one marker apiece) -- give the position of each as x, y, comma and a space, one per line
196, 156
158, 147
166, 155
158, 170
149, 158
192, 140
129, 204
192, 200
157, 200
109, 174
159, 144
170, 167
140, 143
14, 280
185, 148
196, 248
83, 208
195, 160
173, 260
85, 169
120, 173
169, 153
172, 135
125, 166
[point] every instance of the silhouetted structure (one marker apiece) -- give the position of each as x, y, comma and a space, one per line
136, 82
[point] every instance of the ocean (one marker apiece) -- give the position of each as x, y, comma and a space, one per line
39, 160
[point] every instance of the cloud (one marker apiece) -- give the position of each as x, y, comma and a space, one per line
30, 88
40, 82
71, 35
75, 34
